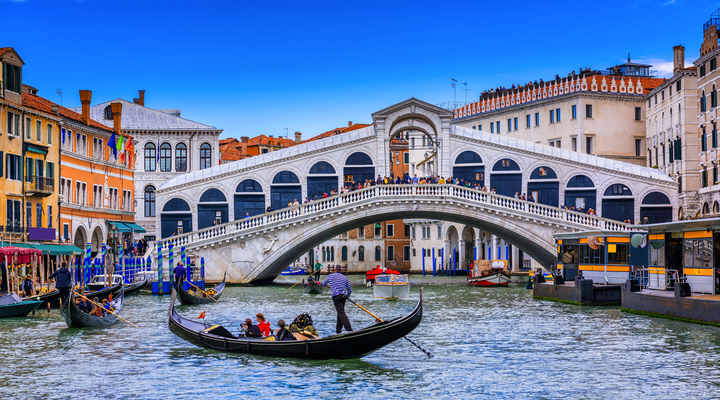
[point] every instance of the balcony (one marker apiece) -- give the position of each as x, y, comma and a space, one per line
701, 118
654, 140
661, 137
677, 130
711, 115
39, 186
669, 134
713, 155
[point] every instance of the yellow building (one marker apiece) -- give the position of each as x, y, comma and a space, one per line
29, 159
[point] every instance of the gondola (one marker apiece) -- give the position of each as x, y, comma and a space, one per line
105, 293
52, 298
133, 288
74, 318
13, 306
187, 298
313, 287
346, 345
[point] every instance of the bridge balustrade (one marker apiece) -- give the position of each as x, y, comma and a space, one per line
414, 192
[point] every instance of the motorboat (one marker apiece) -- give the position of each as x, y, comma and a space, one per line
391, 286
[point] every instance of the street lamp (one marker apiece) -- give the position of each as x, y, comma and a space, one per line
114, 232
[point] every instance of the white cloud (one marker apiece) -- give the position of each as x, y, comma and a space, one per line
669, 3
664, 68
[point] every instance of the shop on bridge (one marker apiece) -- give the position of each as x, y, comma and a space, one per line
506, 178
249, 199
544, 186
580, 193
212, 209
321, 179
176, 218
470, 168
358, 168
285, 189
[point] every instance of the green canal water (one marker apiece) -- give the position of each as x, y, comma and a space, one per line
487, 342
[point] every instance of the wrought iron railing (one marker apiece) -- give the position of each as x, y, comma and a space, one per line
40, 184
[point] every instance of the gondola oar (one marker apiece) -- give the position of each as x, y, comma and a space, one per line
101, 306
304, 277
380, 320
204, 292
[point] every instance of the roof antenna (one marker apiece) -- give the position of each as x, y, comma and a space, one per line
628, 57
466, 90
286, 133
59, 93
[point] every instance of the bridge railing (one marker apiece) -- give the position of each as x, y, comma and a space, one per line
415, 192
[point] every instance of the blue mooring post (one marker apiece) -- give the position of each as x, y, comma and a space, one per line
434, 263
423, 257
159, 269
202, 271
442, 258
454, 260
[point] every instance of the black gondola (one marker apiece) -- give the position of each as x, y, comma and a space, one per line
133, 288
74, 318
187, 298
313, 287
346, 345
105, 293
52, 298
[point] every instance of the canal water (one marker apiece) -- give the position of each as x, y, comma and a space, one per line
487, 342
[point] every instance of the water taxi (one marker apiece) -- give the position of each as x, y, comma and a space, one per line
391, 286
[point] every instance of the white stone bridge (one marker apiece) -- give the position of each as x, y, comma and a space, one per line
257, 248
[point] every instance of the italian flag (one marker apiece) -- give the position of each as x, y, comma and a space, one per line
119, 147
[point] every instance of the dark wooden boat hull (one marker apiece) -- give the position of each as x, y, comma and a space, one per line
133, 288
74, 318
187, 298
19, 309
313, 288
52, 298
105, 293
346, 345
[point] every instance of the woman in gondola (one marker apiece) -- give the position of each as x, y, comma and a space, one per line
251, 330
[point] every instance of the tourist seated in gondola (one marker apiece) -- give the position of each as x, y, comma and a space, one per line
263, 325
251, 330
84, 305
107, 306
281, 333
303, 324
97, 310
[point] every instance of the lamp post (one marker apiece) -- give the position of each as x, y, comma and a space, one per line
114, 233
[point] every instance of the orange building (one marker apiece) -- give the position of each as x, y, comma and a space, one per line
96, 190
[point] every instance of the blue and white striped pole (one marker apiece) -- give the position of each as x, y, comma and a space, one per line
434, 262
170, 267
160, 268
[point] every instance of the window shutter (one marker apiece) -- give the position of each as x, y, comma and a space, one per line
51, 170
19, 166
1, 164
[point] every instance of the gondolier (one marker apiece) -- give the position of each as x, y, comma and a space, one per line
318, 268
340, 290
62, 281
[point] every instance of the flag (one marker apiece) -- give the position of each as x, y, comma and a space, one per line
111, 144
119, 144
127, 150
202, 315
130, 148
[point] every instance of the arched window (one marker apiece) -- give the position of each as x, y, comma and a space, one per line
343, 254
468, 157
165, 157
702, 102
324, 254
377, 253
150, 154
361, 253
322, 167
205, 156
150, 201
618, 189
332, 253
181, 157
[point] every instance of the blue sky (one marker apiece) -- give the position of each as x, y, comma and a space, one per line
259, 67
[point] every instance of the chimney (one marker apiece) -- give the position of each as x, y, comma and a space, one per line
140, 100
298, 136
678, 59
56, 109
349, 124
271, 136
116, 112
244, 139
85, 96
243, 148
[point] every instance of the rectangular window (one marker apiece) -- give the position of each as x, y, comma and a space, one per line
704, 178
66, 231
557, 115
492, 127
50, 134
573, 144
662, 148
497, 125
703, 141
13, 124
713, 64
588, 111
638, 113
588, 145
558, 143
715, 175
662, 95
714, 138
537, 119
38, 130
527, 120
407, 230
49, 216
28, 214
360, 233
552, 116
27, 128
702, 70
406, 157
509, 125
406, 253
515, 122
479, 128
474, 127
38, 215
574, 112
391, 253
390, 230
263, 151
378, 231
638, 147
678, 86
439, 232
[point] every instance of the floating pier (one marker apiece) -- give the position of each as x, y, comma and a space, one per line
581, 292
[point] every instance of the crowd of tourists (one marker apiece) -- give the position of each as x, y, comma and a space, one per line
302, 325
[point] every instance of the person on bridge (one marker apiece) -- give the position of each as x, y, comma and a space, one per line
179, 273
340, 291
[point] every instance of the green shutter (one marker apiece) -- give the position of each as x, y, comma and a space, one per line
50, 170
678, 150
672, 152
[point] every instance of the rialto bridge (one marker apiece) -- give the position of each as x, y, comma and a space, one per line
219, 213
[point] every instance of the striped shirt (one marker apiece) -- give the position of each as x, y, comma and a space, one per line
339, 284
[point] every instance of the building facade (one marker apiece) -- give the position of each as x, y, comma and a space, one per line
671, 142
167, 146
592, 112
29, 158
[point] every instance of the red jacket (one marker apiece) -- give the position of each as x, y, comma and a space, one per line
265, 328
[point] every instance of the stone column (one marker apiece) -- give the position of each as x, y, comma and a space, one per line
494, 248
480, 249
461, 254
515, 259
447, 253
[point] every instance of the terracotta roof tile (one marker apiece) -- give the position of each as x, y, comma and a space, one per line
4, 50
41, 104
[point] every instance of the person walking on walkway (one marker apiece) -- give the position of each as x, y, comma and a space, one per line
63, 280
340, 290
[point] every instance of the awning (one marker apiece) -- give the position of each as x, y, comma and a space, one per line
135, 227
122, 227
59, 249
37, 149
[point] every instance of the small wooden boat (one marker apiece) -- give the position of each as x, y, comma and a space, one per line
373, 273
313, 287
99, 281
13, 306
51, 298
489, 274
74, 318
133, 288
293, 271
392, 287
106, 292
353, 344
188, 298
